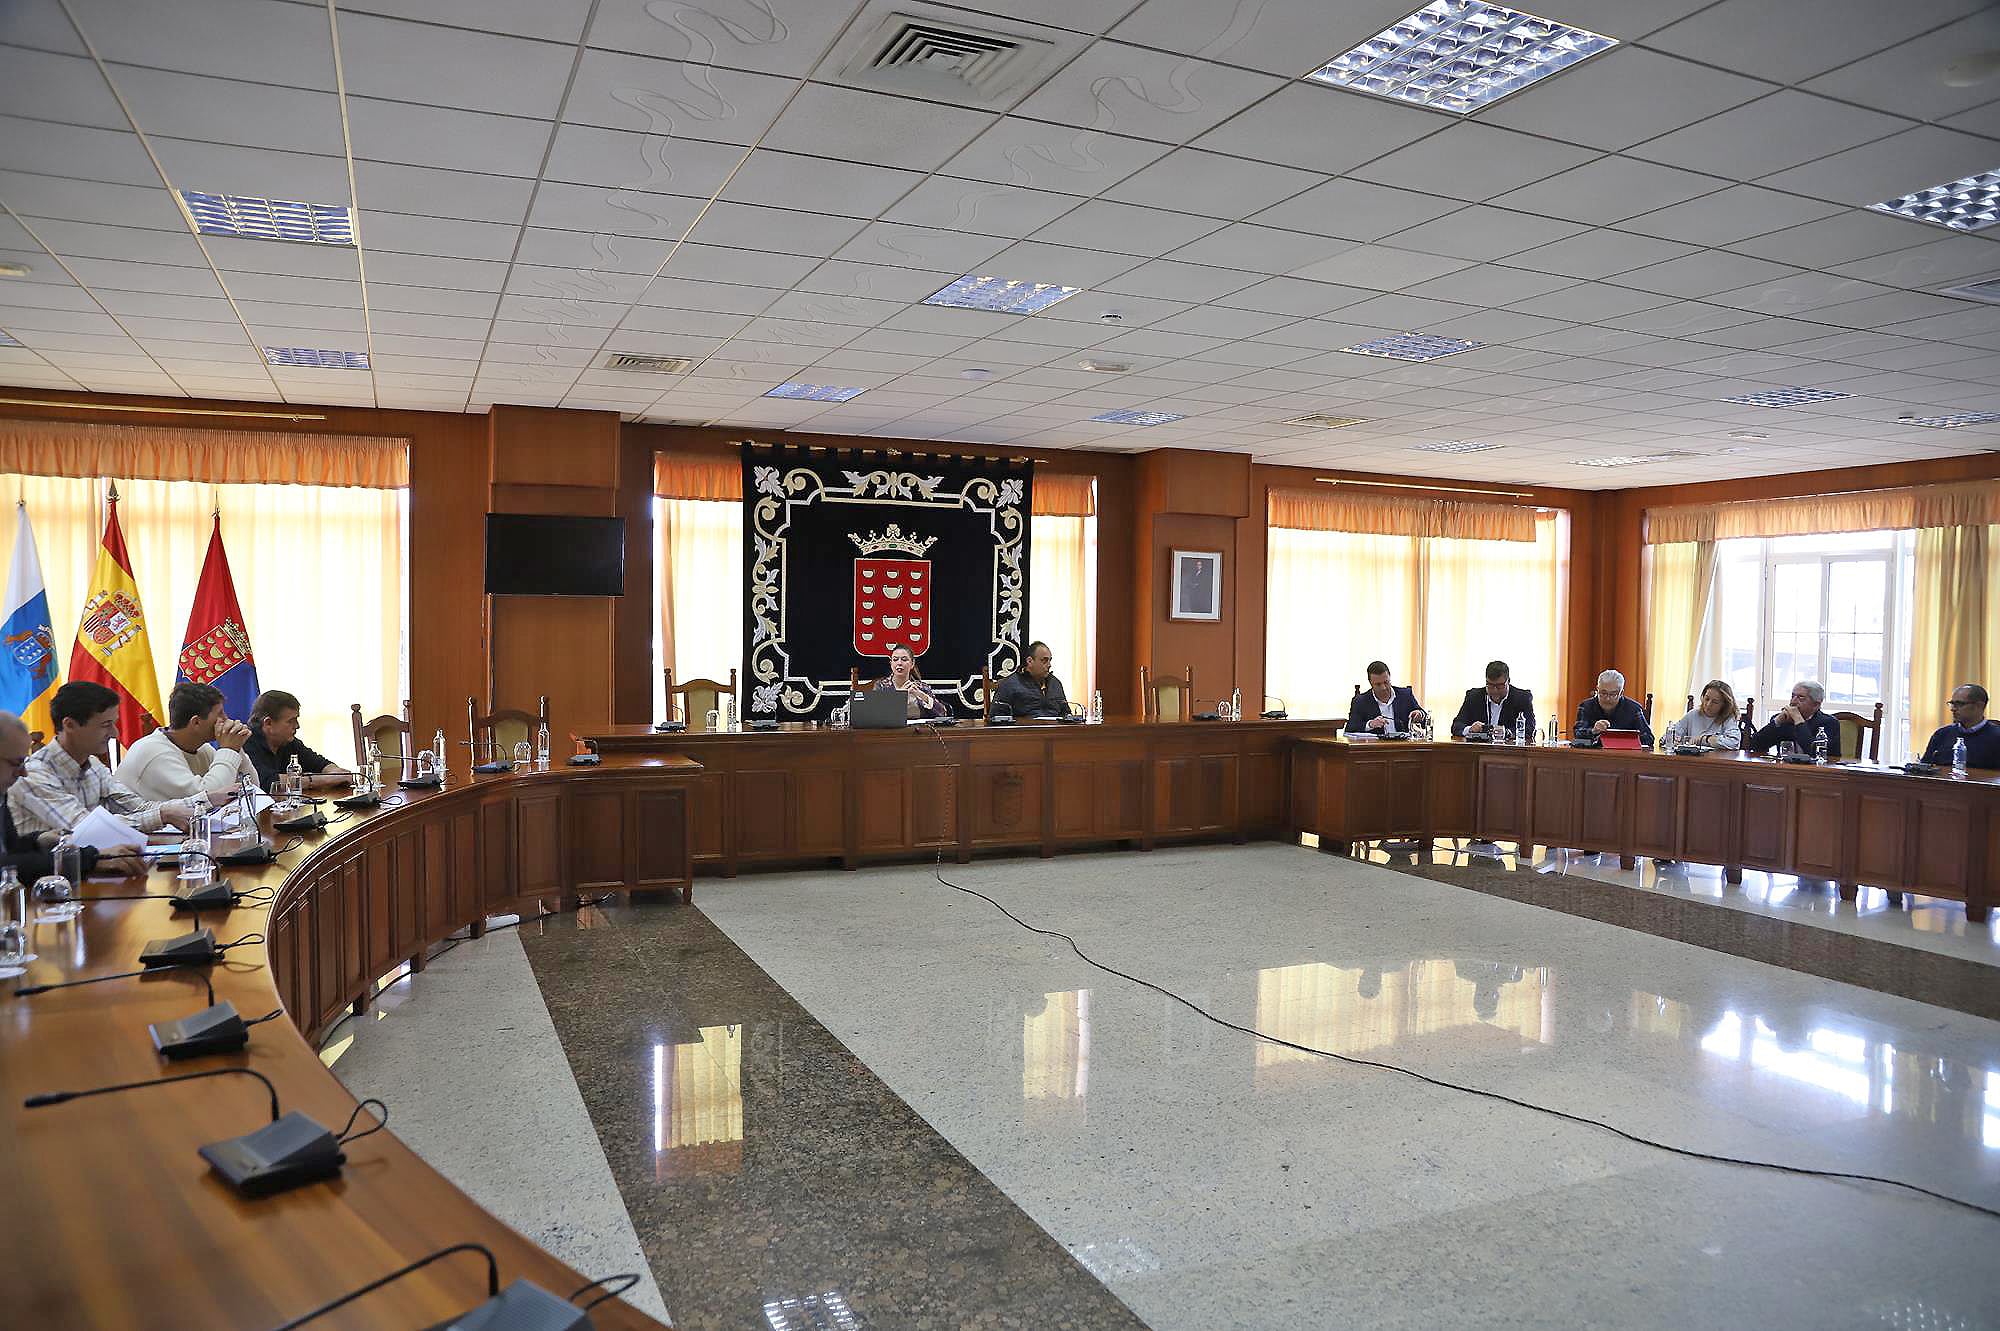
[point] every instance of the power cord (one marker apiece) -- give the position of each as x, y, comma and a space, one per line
1803, 1171
630, 1279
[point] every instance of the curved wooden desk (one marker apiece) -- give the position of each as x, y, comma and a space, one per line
1849, 822
112, 1220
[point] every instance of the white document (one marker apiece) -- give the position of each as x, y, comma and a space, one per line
104, 831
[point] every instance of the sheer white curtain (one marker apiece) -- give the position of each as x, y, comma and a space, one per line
1062, 597
698, 579
1435, 609
319, 570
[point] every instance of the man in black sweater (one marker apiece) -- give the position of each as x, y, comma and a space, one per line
1802, 722
1610, 709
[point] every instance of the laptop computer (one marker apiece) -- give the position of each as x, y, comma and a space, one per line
878, 709
1619, 739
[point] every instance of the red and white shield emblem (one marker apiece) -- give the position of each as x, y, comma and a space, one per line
892, 605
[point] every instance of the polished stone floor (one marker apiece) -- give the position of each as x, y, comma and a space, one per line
864, 1100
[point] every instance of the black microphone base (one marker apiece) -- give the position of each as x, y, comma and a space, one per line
194, 948
420, 783
261, 853
305, 822
492, 769
213, 1030
522, 1306
293, 1151
583, 760
358, 802
216, 894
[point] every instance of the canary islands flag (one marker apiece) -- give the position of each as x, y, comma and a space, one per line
216, 649
28, 675
112, 648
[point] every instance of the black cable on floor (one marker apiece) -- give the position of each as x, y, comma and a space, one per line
1803, 1171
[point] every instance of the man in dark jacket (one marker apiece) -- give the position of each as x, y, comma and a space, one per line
1802, 722
1495, 706
1610, 709
1383, 707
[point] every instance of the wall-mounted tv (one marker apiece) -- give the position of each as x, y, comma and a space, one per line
548, 554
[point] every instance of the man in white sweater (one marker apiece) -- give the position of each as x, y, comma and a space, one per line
176, 762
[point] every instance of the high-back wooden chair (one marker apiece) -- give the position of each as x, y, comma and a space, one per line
1853, 726
1690, 706
699, 697
1649, 708
1746, 720
986, 681
1168, 699
391, 734
497, 732
36, 739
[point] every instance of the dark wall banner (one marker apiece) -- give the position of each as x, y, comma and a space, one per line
851, 553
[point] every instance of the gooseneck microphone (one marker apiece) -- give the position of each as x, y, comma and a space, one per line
29, 991
48, 1098
492, 1281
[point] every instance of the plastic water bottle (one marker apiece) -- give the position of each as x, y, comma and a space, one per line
437, 747
295, 781
1819, 746
1097, 705
1236, 704
542, 747
1958, 756
1520, 727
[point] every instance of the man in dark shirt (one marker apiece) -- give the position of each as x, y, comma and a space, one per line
1033, 690
1495, 707
274, 742
1968, 723
24, 850
1610, 709
1802, 722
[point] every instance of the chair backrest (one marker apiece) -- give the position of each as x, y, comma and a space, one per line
1746, 717
1357, 690
1649, 708
1168, 699
1690, 704
36, 739
986, 692
391, 734
699, 697
1853, 725
501, 729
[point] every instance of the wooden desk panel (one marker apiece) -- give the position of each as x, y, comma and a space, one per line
1848, 822
768, 798
120, 1224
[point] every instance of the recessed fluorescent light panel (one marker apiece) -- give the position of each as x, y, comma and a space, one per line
1953, 422
1003, 295
316, 358
1970, 204
1460, 55
269, 219
6, 340
1786, 397
1456, 446
1328, 422
1138, 417
1411, 346
816, 392
1619, 461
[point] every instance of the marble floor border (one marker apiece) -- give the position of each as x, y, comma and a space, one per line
1907, 972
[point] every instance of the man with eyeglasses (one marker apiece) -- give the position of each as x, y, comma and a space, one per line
25, 851
1968, 723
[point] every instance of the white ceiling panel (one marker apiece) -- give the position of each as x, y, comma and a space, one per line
457, 194
190, 106
442, 137
1904, 163
861, 127
790, 180
979, 206
454, 67
774, 36
1770, 41
1474, 162
47, 85
1291, 38
268, 173
1610, 189
289, 45
1483, 233
677, 99
1062, 158
647, 163
611, 211
1769, 135
1124, 228
1356, 210
1626, 96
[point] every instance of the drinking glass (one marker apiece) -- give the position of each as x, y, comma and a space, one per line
524, 755
57, 896
195, 848
14, 954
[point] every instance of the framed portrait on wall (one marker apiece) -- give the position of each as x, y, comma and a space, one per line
1197, 585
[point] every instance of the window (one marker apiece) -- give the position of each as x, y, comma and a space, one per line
1835, 608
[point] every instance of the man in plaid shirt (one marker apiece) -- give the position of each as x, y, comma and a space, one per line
71, 775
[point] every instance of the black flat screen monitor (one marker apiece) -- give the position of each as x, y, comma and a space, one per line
538, 554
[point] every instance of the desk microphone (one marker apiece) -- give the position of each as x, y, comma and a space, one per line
1277, 713
289, 1150
216, 894
217, 1029
522, 1306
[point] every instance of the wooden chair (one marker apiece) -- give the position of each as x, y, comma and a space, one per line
1169, 699
1649, 708
1746, 717
391, 734
36, 739
1852, 727
986, 692
1690, 704
699, 697
504, 727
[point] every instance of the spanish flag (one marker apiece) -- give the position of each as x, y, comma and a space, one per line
111, 644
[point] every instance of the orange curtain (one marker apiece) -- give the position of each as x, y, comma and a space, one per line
1395, 515
216, 457
686, 476
1059, 495
1965, 504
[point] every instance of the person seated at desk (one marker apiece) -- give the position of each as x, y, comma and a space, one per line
1033, 691
1495, 706
1610, 709
1385, 707
274, 741
1968, 723
1712, 723
27, 854
70, 775
903, 676
1801, 722
178, 761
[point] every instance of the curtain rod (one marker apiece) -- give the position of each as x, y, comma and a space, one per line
162, 411
1446, 489
884, 452
1831, 494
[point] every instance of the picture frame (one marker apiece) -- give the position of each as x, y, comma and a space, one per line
1196, 590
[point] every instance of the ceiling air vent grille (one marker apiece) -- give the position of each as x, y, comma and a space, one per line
632, 364
946, 61
1987, 291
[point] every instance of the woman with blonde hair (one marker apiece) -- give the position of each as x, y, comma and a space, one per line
1712, 723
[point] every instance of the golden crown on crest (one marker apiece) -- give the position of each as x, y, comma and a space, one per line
893, 539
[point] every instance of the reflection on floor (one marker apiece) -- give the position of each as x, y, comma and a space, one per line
1211, 1179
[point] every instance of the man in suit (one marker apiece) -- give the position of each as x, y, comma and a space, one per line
1384, 708
1610, 709
1968, 723
1801, 722
1495, 706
